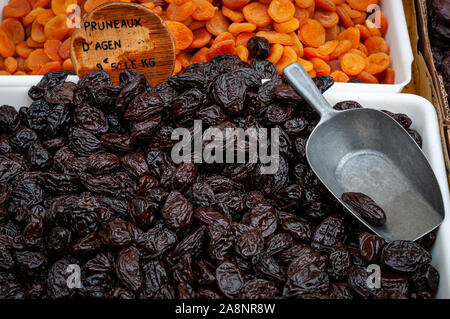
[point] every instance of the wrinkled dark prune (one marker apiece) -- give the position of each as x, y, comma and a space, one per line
229, 92
401, 118
357, 281
347, 105
84, 143
23, 139
393, 287
229, 279
9, 119
143, 131
323, 82
259, 289
136, 85
90, 119
416, 136
128, 268
186, 81
177, 211
404, 256
144, 106
258, 48
330, 232
365, 207
370, 247
266, 69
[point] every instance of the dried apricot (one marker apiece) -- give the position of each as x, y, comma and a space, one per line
389, 76
51, 48
289, 56
364, 31
327, 18
33, 44
45, 16
311, 52
281, 10
351, 34
177, 67
343, 47
23, 49
377, 62
2, 72
353, 64
204, 10
361, 5
10, 64
181, 12
16, 9
43, 68
63, 50
304, 3
236, 28
7, 47
235, 4
320, 66
242, 52
328, 47
56, 28
358, 52
201, 38
327, 5
200, 56
35, 59
243, 38
339, 76
60, 6
195, 25
301, 15
275, 53
344, 17
367, 77
184, 58
312, 33
256, 13
182, 35
376, 44
276, 37
307, 65
67, 65
31, 16
222, 37
37, 32
297, 44
287, 27
233, 15
332, 33
217, 24
222, 47
14, 29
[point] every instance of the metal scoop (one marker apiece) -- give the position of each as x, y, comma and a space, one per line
365, 150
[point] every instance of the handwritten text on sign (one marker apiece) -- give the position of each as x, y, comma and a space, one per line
119, 36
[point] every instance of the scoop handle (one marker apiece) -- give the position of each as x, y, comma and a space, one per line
305, 86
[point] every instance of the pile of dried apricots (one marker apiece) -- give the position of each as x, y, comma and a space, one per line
327, 37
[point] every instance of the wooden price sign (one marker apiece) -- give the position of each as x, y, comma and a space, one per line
117, 36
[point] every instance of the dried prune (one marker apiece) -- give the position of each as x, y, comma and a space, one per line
258, 48
365, 207
144, 106
370, 247
128, 268
229, 279
9, 119
90, 119
177, 211
229, 92
404, 256
347, 105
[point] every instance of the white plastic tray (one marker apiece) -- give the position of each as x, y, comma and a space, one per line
397, 37
425, 122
